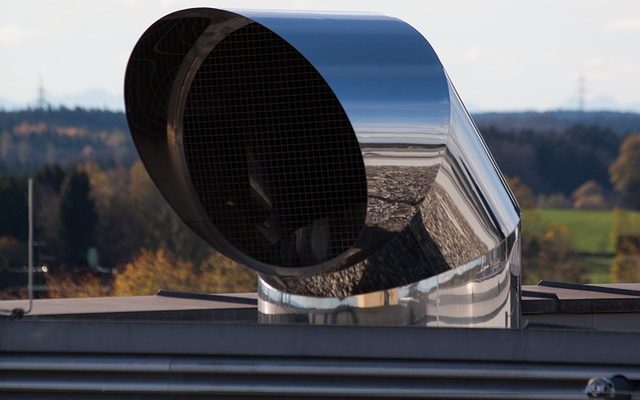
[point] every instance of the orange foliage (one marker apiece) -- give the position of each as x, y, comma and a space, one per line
75, 284
151, 271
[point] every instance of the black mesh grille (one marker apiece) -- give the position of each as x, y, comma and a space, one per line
271, 153
152, 71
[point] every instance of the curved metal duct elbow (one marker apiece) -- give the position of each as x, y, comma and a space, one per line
330, 153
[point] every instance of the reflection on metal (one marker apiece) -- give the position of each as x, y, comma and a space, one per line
481, 293
331, 153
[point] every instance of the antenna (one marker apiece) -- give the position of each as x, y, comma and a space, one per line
42, 99
582, 92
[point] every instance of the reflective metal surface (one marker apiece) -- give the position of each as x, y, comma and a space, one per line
481, 293
414, 226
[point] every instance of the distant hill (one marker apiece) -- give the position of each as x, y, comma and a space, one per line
565, 149
91, 119
87, 99
621, 123
32, 138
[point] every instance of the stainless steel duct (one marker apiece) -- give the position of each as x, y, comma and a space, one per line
330, 153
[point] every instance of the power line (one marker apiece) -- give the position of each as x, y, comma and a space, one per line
582, 93
42, 95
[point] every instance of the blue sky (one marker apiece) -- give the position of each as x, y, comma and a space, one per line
501, 55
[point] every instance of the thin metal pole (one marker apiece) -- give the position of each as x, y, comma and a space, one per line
18, 313
30, 272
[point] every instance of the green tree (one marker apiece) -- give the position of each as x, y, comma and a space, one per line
47, 185
51, 176
13, 206
12, 253
158, 224
77, 218
625, 172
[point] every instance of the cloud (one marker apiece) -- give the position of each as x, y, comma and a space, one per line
14, 34
473, 54
624, 25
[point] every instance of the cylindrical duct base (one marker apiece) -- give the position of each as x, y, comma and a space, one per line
483, 293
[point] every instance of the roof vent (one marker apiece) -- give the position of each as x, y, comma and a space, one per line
330, 153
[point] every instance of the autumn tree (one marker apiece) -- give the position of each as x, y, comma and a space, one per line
151, 271
590, 196
222, 275
117, 234
75, 283
625, 172
547, 252
523, 193
131, 214
626, 264
553, 200
626, 235
77, 217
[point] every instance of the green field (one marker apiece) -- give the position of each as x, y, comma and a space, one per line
596, 268
591, 232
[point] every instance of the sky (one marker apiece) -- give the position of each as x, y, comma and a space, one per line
501, 55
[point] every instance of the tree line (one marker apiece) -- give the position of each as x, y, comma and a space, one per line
91, 221
30, 139
550, 161
97, 210
547, 249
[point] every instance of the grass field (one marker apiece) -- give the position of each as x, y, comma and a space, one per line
592, 237
596, 268
591, 230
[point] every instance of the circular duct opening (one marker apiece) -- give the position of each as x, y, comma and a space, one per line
271, 153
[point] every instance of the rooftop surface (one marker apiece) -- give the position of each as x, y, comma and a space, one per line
184, 345
600, 307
